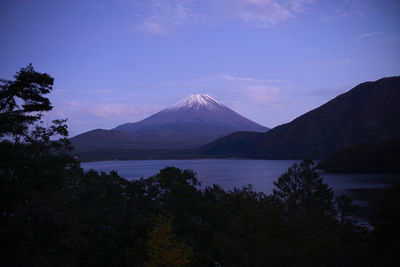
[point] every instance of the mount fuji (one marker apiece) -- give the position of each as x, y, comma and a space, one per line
190, 123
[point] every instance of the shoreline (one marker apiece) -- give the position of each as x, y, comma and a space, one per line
367, 200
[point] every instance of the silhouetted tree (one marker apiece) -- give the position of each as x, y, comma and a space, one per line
385, 242
311, 215
22, 100
346, 209
302, 190
36, 173
54, 214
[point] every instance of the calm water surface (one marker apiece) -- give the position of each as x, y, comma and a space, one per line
230, 173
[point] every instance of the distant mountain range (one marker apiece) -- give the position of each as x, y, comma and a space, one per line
368, 113
200, 127
191, 123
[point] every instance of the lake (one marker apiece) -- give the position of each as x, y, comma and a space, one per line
230, 173
364, 189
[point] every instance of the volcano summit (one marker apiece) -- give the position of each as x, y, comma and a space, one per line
190, 123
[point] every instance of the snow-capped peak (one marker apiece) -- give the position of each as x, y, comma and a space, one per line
197, 101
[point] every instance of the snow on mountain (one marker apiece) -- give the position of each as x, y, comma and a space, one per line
197, 101
190, 123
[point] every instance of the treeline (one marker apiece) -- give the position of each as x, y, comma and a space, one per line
135, 154
382, 157
52, 213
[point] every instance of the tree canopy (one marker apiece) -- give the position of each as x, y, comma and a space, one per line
52, 213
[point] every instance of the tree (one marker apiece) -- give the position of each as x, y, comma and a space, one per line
164, 250
36, 173
24, 143
384, 245
309, 207
346, 209
22, 101
302, 190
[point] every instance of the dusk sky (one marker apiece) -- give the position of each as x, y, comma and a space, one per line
118, 61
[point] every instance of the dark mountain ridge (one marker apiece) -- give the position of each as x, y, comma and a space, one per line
368, 113
381, 157
96, 139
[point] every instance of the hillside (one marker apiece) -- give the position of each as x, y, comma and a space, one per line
191, 123
379, 157
187, 125
100, 138
368, 113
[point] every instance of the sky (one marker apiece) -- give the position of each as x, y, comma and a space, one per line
119, 61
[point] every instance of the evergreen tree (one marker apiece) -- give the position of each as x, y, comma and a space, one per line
303, 191
164, 250
36, 173
22, 101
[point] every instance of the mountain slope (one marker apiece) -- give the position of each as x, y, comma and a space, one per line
368, 113
368, 158
191, 123
100, 138
238, 144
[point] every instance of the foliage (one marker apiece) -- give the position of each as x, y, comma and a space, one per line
303, 191
22, 101
386, 237
26, 146
164, 250
54, 214
346, 209
380, 157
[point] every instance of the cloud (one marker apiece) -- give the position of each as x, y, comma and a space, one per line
262, 13
246, 79
344, 61
299, 5
333, 62
163, 16
116, 111
103, 91
106, 113
262, 93
112, 109
107, 108
368, 35
153, 27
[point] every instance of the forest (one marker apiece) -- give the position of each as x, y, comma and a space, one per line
52, 213
380, 157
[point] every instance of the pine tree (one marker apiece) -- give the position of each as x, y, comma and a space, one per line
164, 250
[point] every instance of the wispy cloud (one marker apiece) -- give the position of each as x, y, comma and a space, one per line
103, 91
333, 62
153, 27
246, 79
162, 16
344, 61
261, 13
262, 93
110, 108
369, 34
299, 5
106, 113
343, 9
117, 111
